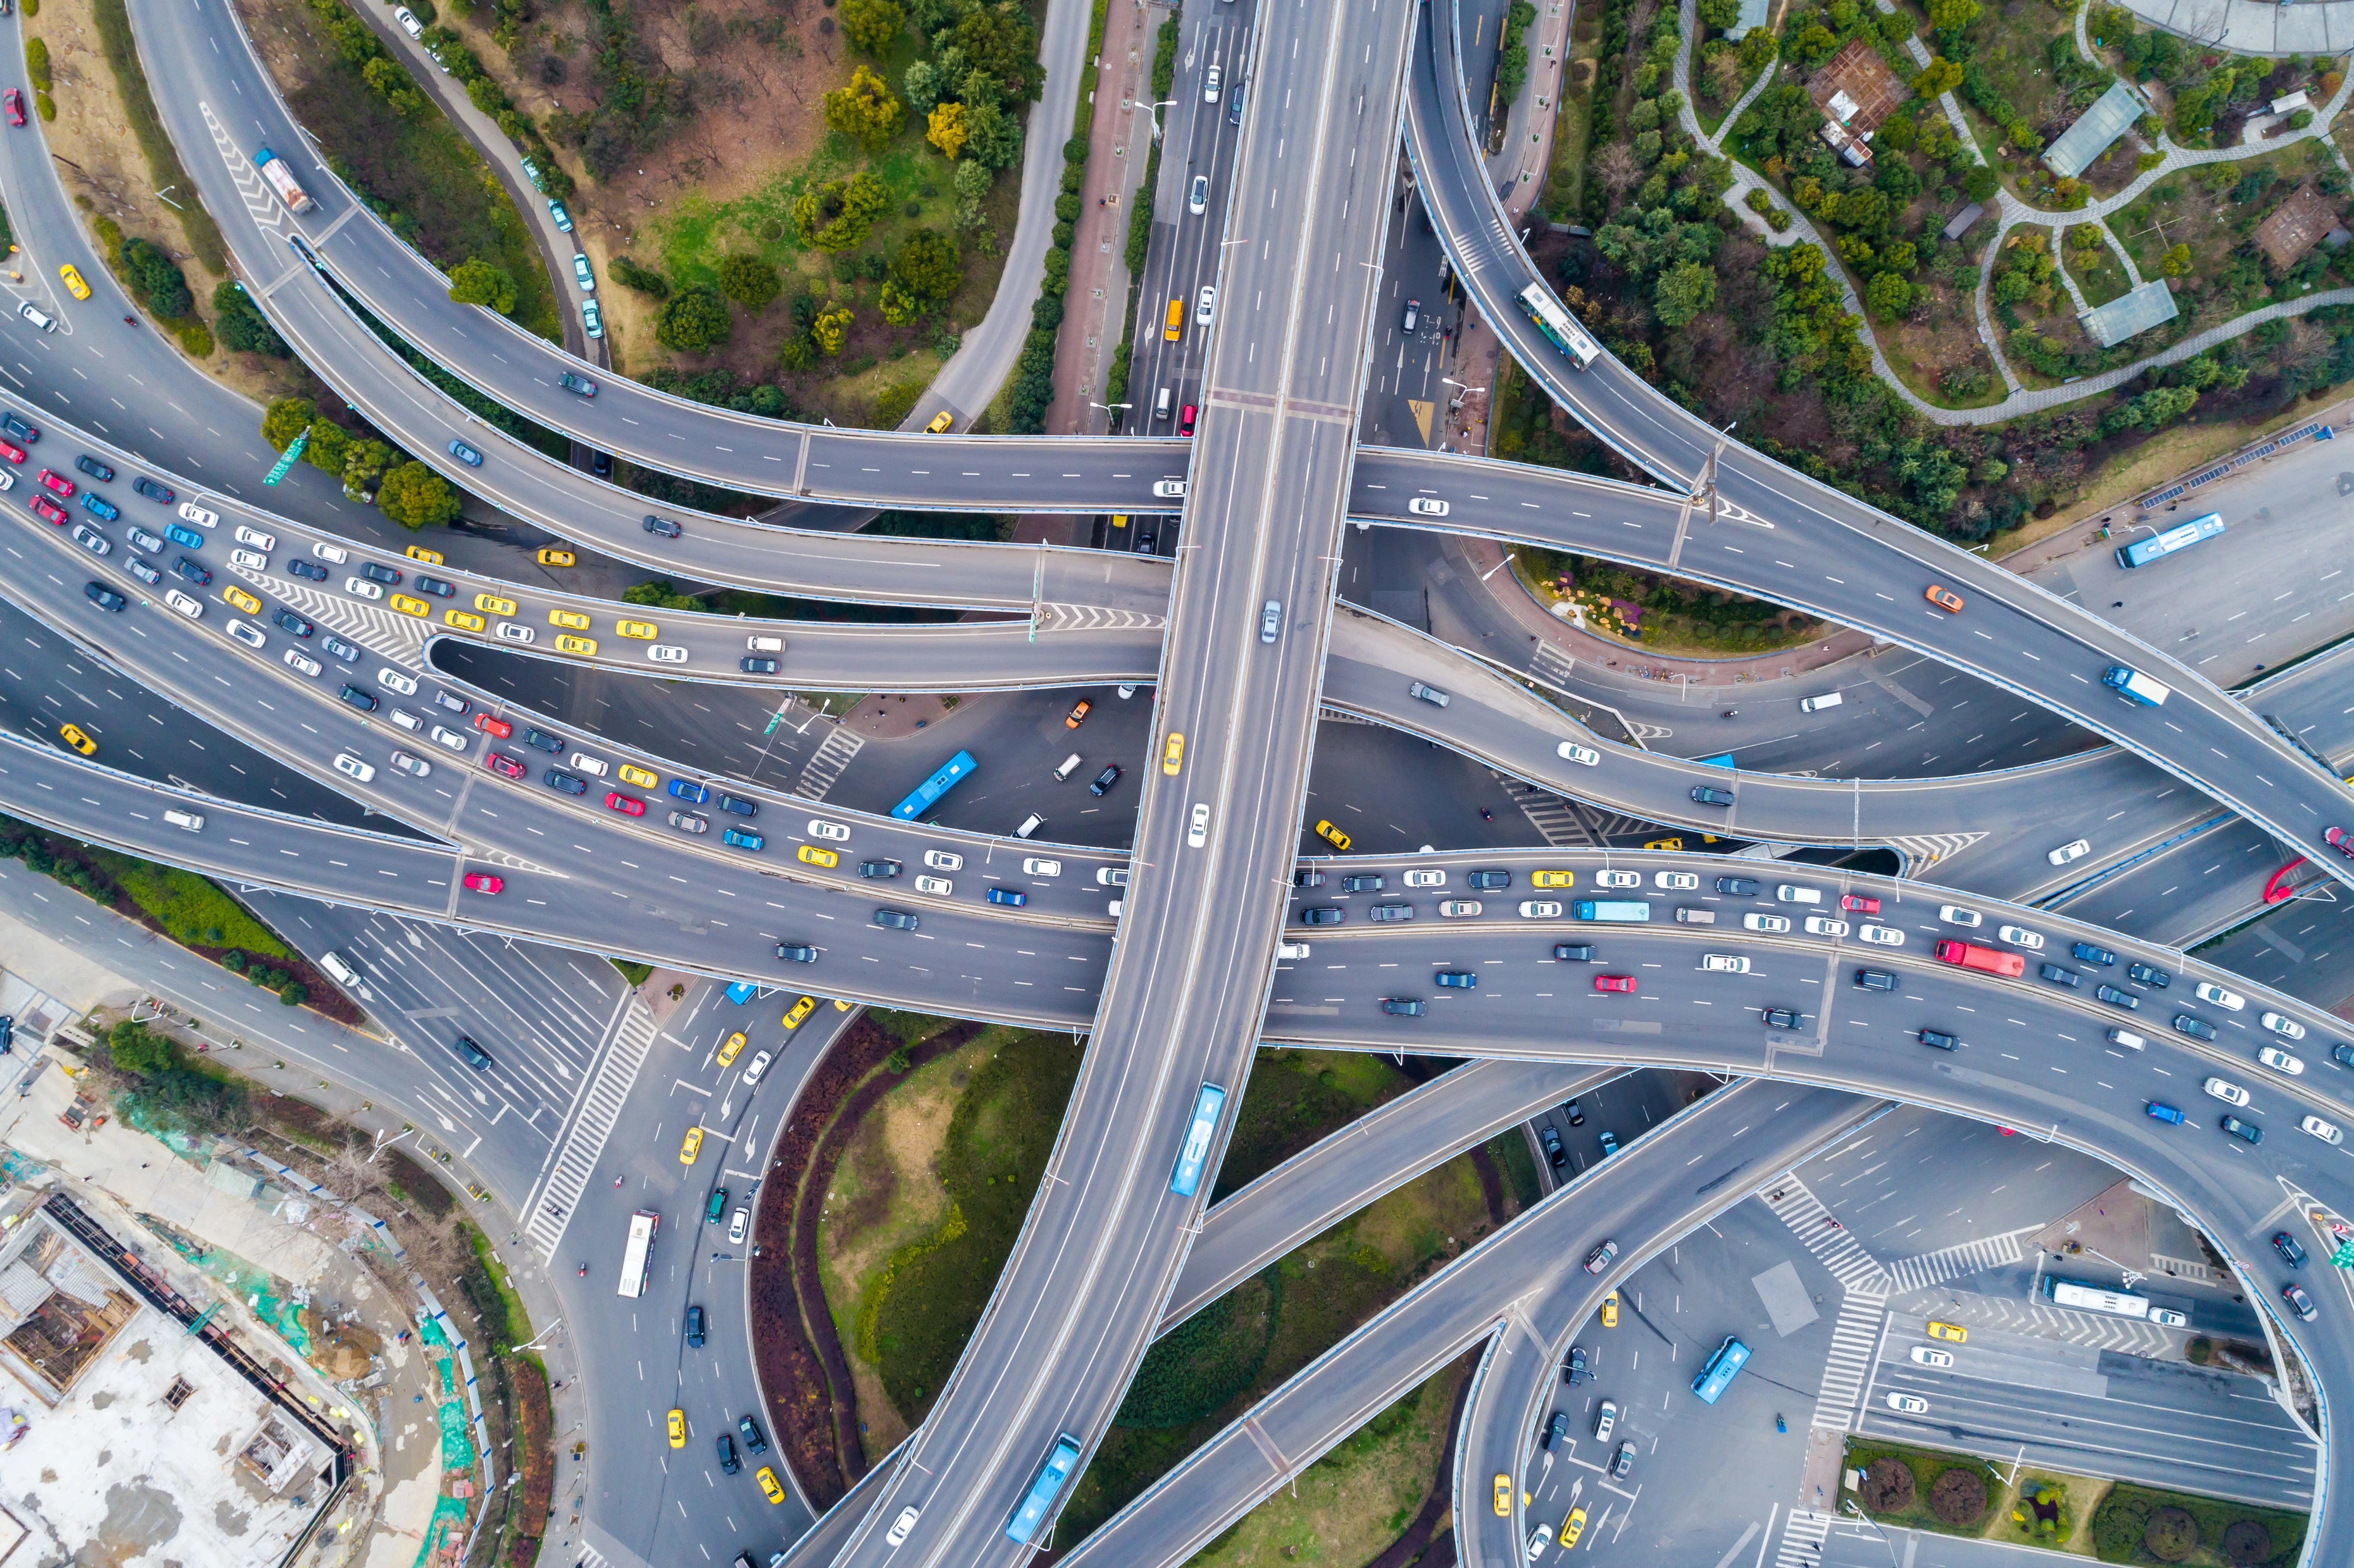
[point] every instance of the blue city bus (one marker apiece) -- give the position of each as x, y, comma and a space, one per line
1060, 1463
1624, 911
1196, 1152
927, 794
2181, 537
1717, 1375
742, 991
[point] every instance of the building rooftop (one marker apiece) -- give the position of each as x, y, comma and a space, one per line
1754, 13
1964, 220
2130, 314
1856, 88
2296, 227
2094, 131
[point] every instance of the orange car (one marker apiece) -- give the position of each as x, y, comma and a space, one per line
1944, 597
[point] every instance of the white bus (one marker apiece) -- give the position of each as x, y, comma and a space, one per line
1558, 325
2092, 1298
637, 1259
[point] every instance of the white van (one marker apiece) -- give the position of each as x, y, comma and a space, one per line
1069, 765
188, 820
1291, 950
765, 644
1817, 705
1790, 895
1160, 409
1030, 824
337, 969
2126, 1038
1687, 916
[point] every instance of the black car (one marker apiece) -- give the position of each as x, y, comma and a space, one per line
570, 783
104, 596
2197, 1028
664, 527
190, 570
2342, 1054
601, 465
1488, 881
739, 805
1705, 795
1555, 1429
433, 585
1574, 1368
310, 570
1110, 777
18, 429
752, 1438
2116, 998
364, 700
2058, 975
389, 576
1737, 886
895, 919
797, 953
1783, 1018
1875, 980
551, 744
756, 666
1576, 1117
878, 868
2286, 1245
2245, 1131
1552, 1141
1401, 1006
1940, 1039
2144, 975
1324, 915
1574, 952
2092, 955
694, 1337
1363, 882
292, 622
476, 1057
729, 1463
1307, 878
1389, 912
580, 385
1144, 543
95, 469
152, 490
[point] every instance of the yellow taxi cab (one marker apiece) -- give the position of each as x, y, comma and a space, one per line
800, 1009
1953, 1331
419, 553
644, 631
465, 619
492, 604
556, 558
633, 774
678, 1428
940, 422
1610, 1310
692, 1146
768, 1487
72, 736
727, 1053
812, 855
73, 281
407, 606
1572, 1527
1173, 753
584, 646
1552, 879
1120, 519
841, 1006
1333, 835
1665, 844
242, 599
571, 618
1503, 1496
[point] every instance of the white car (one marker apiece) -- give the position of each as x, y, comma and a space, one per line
1885, 936
90, 539
1106, 876
325, 552
245, 632
1676, 881
666, 653
298, 660
1909, 1404
1616, 879
756, 1066
1425, 507
2076, 849
1197, 826
835, 832
515, 631
900, 1527
1931, 1356
37, 316
2282, 1024
1570, 752
347, 763
2020, 936
1824, 926
595, 766
408, 22
408, 763
397, 682
256, 538
1206, 306
1169, 490
1458, 908
2229, 1093
443, 736
2208, 991
737, 1223
945, 859
251, 560
1042, 867
1426, 879
405, 720
937, 887
1291, 950
1955, 915
362, 587
1540, 909
1210, 84
2326, 1131
184, 604
1771, 924
2280, 1060
1724, 963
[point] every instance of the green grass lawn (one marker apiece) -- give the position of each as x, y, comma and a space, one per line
192, 908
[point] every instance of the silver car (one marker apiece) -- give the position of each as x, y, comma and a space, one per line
1271, 621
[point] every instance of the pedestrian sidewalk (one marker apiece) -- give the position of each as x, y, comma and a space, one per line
1119, 141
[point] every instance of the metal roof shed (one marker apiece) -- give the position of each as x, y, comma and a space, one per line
2130, 314
2090, 135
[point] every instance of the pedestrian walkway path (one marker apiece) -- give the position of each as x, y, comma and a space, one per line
824, 767
550, 1210
1974, 1256
1855, 1338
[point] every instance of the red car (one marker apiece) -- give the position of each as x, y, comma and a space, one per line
12, 452
497, 726
616, 801
506, 767
1856, 903
2340, 839
1625, 983
63, 486
49, 511
14, 100
1185, 420
483, 882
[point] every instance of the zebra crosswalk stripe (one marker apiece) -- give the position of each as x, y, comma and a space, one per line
592, 1123
1803, 1534
1973, 1256
824, 768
